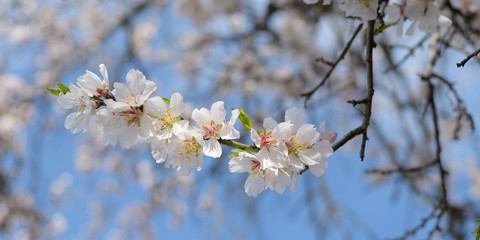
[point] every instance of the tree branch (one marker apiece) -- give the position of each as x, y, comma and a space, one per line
462, 63
309, 94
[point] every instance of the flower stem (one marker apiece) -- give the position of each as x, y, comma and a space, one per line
238, 145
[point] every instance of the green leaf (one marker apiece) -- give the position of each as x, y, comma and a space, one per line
238, 150
244, 119
166, 100
232, 155
64, 88
477, 230
55, 92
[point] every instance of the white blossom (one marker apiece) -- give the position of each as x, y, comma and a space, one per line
78, 100
260, 177
92, 84
187, 153
214, 127
125, 118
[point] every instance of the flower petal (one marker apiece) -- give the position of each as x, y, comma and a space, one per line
212, 148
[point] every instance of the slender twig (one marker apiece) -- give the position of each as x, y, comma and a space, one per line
402, 169
309, 94
362, 129
409, 54
422, 224
462, 63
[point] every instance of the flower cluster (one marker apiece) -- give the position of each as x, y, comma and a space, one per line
285, 149
424, 14
129, 115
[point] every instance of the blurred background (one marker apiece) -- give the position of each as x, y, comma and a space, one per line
260, 55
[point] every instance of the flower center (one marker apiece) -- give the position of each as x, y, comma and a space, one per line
211, 129
167, 120
255, 166
132, 116
132, 98
189, 149
295, 145
267, 140
80, 104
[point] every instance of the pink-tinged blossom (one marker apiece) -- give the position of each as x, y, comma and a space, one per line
214, 127
305, 146
260, 177
136, 91
125, 118
272, 149
167, 117
78, 100
92, 84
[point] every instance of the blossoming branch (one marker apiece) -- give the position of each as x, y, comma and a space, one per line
130, 115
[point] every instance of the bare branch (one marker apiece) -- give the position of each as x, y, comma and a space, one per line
309, 94
462, 63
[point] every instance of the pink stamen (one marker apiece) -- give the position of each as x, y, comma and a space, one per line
255, 165
211, 129
267, 140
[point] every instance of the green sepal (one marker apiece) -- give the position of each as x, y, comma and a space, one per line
166, 100
244, 119
55, 92
232, 155
62, 87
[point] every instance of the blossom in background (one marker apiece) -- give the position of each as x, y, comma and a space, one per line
364, 9
78, 100
212, 123
260, 177
425, 15
125, 118
395, 13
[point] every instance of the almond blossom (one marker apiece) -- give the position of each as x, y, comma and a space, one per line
304, 146
78, 100
125, 118
272, 149
167, 123
92, 84
186, 152
214, 127
260, 177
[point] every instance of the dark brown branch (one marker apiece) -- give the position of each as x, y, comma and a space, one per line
362, 129
370, 90
462, 63
309, 94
